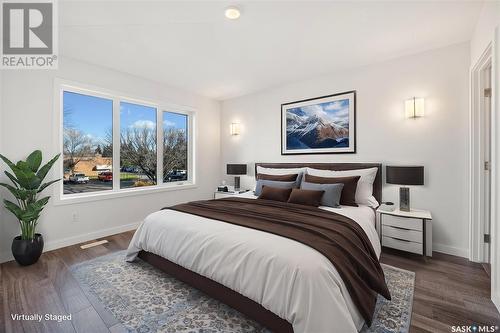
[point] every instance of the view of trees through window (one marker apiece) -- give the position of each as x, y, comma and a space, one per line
88, 156
137, 145
175, 147
88, 144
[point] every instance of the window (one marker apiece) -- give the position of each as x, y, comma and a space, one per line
99, 126
175, 147
87, 151
138, 155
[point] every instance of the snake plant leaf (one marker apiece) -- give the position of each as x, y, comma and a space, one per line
34, 182
12, 189
23, 166
20, 193
39, 204
23, 178
13, 208
33, 210
45, 185
34, 160
30, 215
45, 169
12, 179
27, 195
8, 162
27, 178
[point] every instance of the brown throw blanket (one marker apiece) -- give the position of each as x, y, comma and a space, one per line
337, 237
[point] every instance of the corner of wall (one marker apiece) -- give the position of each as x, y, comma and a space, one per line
495, 297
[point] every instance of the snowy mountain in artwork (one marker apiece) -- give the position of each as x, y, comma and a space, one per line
323, 125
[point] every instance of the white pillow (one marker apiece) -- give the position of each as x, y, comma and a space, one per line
364, 191
280, 171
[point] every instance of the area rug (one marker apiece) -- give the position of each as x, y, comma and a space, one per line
145, 299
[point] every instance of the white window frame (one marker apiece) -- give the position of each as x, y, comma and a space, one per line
60, 198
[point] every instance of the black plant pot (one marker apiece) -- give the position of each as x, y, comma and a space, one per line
27, 252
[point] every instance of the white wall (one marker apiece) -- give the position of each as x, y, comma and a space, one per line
485, 29
438, 141
27, 124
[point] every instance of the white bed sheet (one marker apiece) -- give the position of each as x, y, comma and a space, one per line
291, 279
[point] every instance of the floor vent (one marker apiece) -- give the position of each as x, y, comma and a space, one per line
86, 246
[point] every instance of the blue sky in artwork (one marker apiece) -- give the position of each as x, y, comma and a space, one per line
336, 111
94, 115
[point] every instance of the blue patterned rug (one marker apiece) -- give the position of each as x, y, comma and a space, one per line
144, 299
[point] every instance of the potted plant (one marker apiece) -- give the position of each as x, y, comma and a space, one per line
27, 180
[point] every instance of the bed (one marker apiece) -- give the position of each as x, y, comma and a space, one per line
281, 283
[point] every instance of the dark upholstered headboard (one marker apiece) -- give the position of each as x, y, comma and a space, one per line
377, 185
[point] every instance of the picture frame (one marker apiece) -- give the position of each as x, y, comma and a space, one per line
320, 125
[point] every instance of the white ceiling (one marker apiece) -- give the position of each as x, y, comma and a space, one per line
192, 45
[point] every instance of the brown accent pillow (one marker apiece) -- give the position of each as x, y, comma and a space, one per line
275, 193
279, 178
306, 197
348, 196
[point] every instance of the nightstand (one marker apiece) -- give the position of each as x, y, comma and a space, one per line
407, 231
219, 195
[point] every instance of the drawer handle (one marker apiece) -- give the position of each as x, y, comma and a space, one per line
400, 228
399, 239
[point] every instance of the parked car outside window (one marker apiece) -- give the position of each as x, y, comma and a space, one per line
79, 178
105, 176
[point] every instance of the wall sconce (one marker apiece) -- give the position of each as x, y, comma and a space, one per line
414, 107
235, 128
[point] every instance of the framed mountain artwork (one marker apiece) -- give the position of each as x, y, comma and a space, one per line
322, 125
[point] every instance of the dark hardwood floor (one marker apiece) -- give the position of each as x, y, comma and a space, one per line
448, 291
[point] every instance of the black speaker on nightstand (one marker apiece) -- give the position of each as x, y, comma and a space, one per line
404, 175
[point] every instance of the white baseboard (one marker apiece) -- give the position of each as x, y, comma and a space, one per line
455, 251
6, 256
58, 243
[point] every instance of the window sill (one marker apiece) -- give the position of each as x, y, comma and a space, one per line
68, 199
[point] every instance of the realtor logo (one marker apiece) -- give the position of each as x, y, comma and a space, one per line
29, 31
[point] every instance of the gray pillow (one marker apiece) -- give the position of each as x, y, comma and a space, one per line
297, 182
272, 183
331, 197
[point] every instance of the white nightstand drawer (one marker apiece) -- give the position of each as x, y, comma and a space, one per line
402, 245
406, 234
402, 222
220, 195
